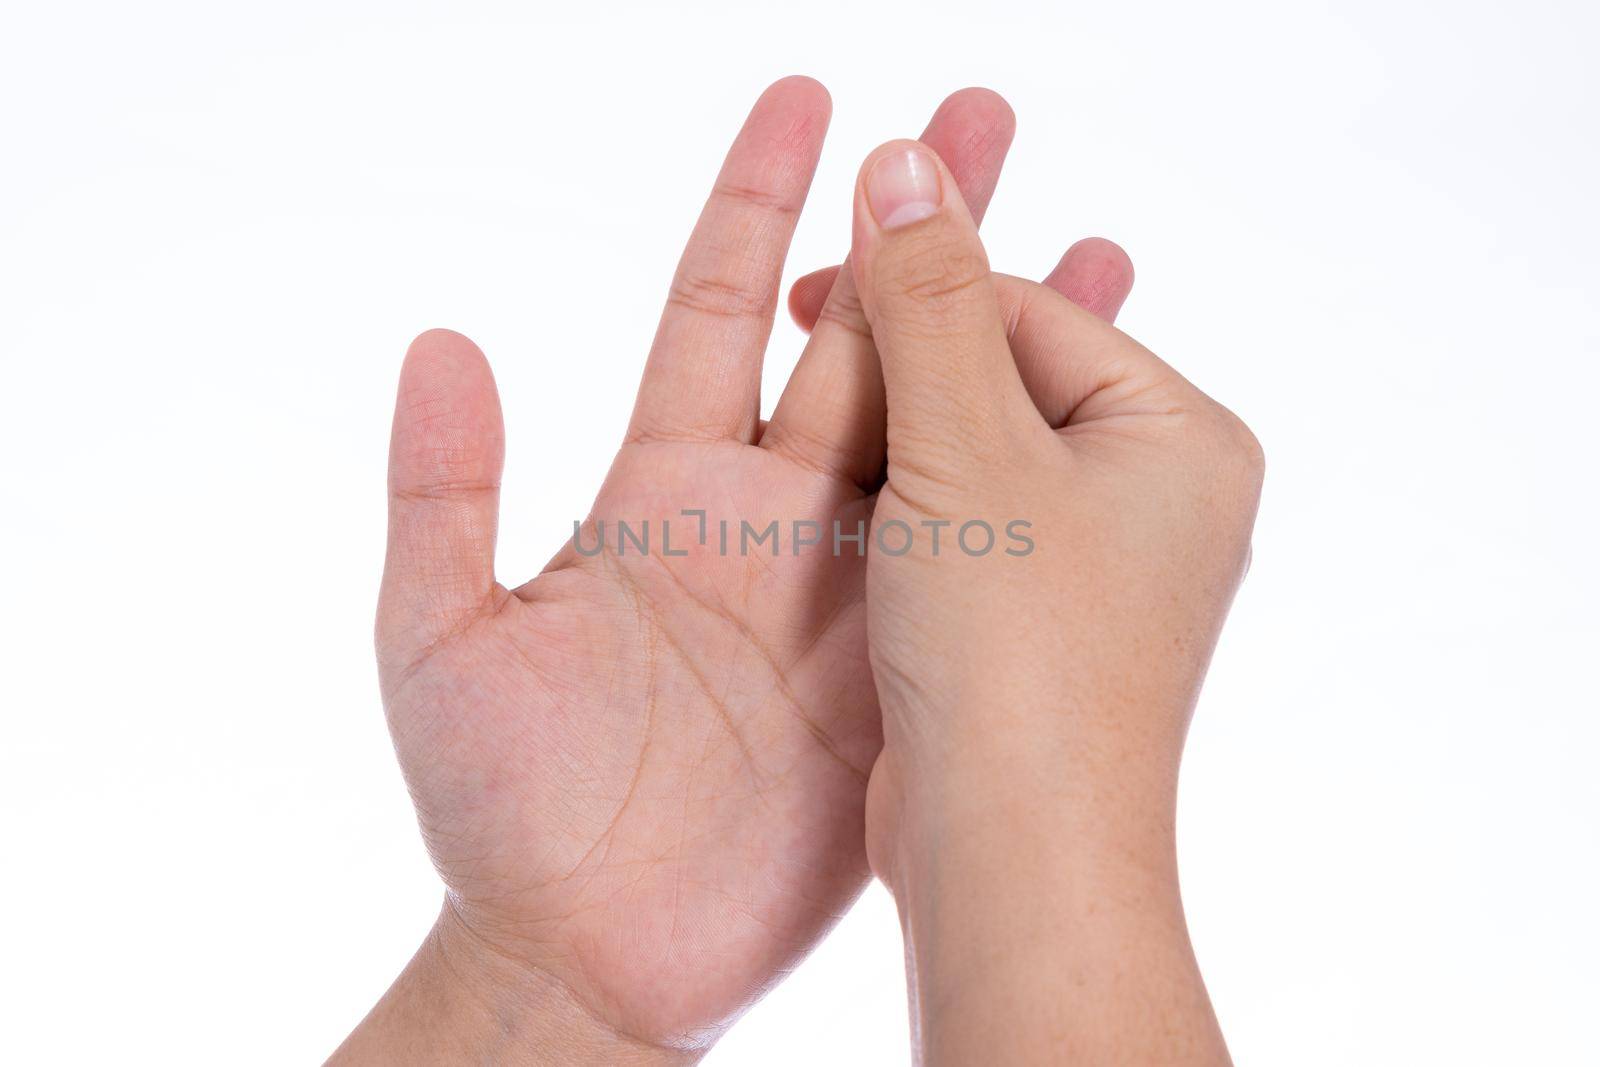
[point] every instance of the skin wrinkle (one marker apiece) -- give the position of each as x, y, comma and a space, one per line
632, 787
498, 600
678, 857
715, 296
779, 675
843, 309
701, 681
651, 690
445, 492
539, 974
814, 640
753, 196
835, 469
910, 469
983, 138
681, 435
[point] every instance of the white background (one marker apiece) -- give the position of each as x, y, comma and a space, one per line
1370, 228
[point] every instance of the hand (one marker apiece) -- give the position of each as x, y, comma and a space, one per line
1036, 681
642, 779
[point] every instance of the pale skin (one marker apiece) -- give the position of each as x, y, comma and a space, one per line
651, 784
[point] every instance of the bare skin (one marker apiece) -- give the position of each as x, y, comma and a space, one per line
643, 780
1035, 705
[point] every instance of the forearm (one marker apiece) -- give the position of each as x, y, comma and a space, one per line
457, 1002
1042, 917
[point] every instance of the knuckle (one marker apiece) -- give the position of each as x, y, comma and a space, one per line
754, 198
936, 271
843, 309
722, 296
945, 442
1223, 464
1242, 460
1246, 446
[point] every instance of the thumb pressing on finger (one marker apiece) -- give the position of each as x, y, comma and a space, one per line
952, 387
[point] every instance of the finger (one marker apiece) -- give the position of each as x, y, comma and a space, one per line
1074, 364
445, 456
703, 377
830, 416
971, 131
809, 292
1095, 274
951, 386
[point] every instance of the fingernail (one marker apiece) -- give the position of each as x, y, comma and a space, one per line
903, 187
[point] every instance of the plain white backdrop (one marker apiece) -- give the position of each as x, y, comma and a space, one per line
1369, 228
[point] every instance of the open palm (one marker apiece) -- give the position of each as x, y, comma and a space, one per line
644, 774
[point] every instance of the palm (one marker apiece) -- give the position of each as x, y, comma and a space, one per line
690, 736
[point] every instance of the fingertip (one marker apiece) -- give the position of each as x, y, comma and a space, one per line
1096, 274
442, 343
801, 92
783, 131
1107, 257
972, 132
447, 410
796, 304
980, 109
445, 369
801, 84
808, 294
903, 182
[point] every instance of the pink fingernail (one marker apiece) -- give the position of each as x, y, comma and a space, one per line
903, 187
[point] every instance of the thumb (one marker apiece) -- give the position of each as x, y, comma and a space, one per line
445, 455
952, 387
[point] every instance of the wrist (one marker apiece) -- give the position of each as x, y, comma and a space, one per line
1022, 886
1067, 779
987, 817
461, 1000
